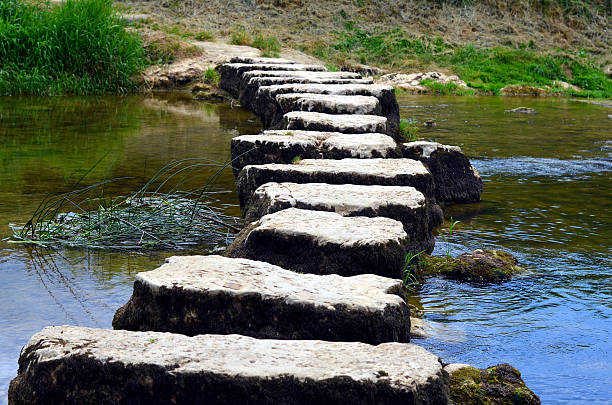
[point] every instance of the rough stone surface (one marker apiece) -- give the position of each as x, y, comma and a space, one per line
520, 90
324, 243
196, 295
329, 103
479, 266
522, 110
404, 204
75, 365
282, 146
250, 86
345, 123
497, 385
268, 110
456, 180
231, 73
383, 172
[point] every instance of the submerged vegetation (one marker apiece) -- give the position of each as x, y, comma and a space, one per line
487, 70
77, 47
158, 216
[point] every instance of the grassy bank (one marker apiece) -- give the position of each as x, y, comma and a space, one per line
484, 69
77, 47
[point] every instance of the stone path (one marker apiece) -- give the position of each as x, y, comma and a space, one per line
321, 257
404, 204
195, 295
382, 172
285, 146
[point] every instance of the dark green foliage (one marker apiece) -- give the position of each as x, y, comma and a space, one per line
80, 46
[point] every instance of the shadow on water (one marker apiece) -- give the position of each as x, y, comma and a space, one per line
548, 200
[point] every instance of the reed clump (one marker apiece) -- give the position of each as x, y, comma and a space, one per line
76, 47
158, 216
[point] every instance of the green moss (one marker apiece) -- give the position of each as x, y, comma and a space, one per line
480, 266
497, 385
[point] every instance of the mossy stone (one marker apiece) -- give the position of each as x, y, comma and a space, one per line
497, 385
479, 266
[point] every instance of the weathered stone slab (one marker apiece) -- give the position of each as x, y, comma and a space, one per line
382, 172
282, 146
196, 295
345, 123
75, 365
231, 73
300, 73
456, 180
324, 243
250, 85
404, 204
261, 60
268, 110
329, 103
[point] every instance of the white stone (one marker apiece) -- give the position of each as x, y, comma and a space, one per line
345, 123
329, 103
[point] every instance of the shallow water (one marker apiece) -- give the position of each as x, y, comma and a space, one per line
547, 199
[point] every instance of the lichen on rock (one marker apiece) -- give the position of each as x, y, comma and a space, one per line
496, 385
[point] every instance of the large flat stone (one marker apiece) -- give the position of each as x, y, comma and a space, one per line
404, 204
324, 243
231, 73
269, 111
282, 146
250, 85
382, 172
75, 365
345, 123
196, 295
456, 180
329, 103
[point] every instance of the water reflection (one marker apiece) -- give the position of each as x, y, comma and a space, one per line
49, 143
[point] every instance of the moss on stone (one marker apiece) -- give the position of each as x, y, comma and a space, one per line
479, 266
497, 385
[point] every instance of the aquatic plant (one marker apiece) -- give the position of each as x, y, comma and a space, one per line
446, 236
211, 76
78, 46
159, 215
408, 275
409, 130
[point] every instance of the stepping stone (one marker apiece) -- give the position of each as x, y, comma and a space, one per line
282, 146
260, 60
324, 243
195, 295
329, 104
456, 180
305, 74
382, 172
345, 123
404, 204
76, 365
269, 111
231, 73
250, 86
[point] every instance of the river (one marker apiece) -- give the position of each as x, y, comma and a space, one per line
547, 199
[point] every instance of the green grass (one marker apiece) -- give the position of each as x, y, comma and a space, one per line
77, 47
409, 130
240, 37
447, 88
484, 69
211, 76
269, 45
204, 36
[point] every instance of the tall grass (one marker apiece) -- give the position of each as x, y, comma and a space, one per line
78, 47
